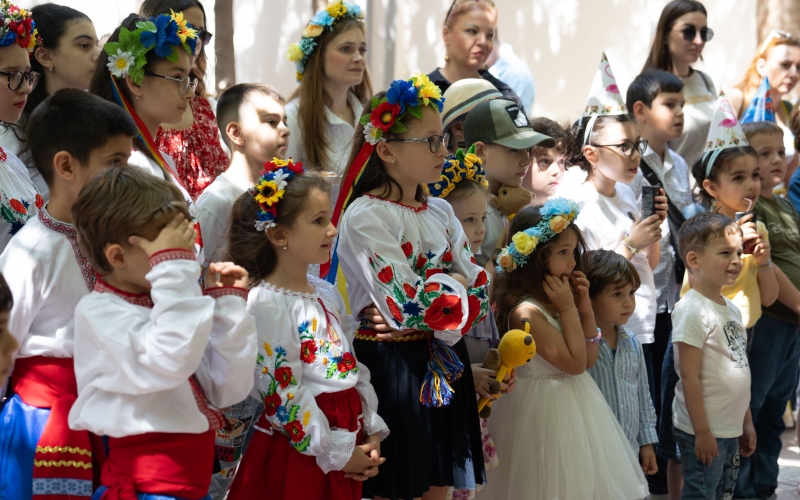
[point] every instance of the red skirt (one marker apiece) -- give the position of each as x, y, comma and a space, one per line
272, 469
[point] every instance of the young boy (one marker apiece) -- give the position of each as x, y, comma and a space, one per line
711, 415
72, 136
459, 99
774, 350
8, 344
155, 356
548, 164
620, 371
503, 138
252, 121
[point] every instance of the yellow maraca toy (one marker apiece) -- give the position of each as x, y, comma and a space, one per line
516, 348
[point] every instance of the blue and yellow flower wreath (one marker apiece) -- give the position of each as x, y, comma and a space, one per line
271, 187
458, 168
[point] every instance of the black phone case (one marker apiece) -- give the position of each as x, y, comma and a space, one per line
649, 201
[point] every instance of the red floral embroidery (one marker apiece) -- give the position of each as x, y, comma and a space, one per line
447, 256
472, 259
432, 271
394, 309
386, 274
474, 306
295, 430
421, 260
3, 155
39, 201
408, 249
271, 403
308, 351
481, 280
444, 313
410, 290
283, 376
18, 206
347, 363
432, 287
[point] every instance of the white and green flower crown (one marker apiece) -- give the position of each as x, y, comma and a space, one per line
557, 214
322, 20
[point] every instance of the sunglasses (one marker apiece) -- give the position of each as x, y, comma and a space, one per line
204, 36
690, 32
434, 141
773, 34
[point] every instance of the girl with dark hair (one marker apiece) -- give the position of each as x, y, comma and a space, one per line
681, 35
193, 142
66, 60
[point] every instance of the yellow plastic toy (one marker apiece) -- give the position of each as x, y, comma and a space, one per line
516, 348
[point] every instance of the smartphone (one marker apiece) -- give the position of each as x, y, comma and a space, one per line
748, 246
649, 194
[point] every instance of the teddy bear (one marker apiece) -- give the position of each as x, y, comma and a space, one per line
516, 348
509, 200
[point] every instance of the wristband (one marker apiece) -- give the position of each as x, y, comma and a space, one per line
630, 246
595, 340
766, 267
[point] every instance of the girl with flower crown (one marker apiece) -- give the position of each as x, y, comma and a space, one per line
407, 254
320, 435
557, 422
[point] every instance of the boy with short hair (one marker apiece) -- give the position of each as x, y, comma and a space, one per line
459, 99
503, 138
620, 370
252, 121
155, 355
72, 136
548, 164
711, 414
8, 344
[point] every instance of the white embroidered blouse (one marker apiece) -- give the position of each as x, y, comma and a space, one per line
19, 199
397, 257
304, 350
137, 357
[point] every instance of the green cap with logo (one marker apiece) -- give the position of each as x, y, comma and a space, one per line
501, 121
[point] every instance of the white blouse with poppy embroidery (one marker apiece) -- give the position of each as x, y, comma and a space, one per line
398, 258
19, 199
304, 350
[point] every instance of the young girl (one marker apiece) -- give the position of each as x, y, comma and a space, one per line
319, 435
408, 255
556, 425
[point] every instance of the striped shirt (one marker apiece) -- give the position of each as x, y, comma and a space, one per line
622, 379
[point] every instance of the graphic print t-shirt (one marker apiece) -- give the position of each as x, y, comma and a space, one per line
724, 372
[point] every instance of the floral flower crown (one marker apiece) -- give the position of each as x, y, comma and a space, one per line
324, 19
271, 186
18, 26
404, 97
557, 214
164, 34
458, 168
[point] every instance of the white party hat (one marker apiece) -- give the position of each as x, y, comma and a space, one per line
725, 131
605, 98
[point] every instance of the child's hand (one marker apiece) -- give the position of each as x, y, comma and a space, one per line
580, 287
645, 232
226, 274
559, 292
179, 233
648, 457
753, 241
747, 441
705, 447
364, 461
377, 322
510, 381
482, 377
661, 205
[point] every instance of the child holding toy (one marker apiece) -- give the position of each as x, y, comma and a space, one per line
557, 423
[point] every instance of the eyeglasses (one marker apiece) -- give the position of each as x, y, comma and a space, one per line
690, 32
15, 79
183, 83
204, 36
627, 148
773, 34
433, 141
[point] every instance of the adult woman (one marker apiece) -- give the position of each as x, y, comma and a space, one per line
323, 112
681, 35
66, 60
778, 59
194, 141
468, 33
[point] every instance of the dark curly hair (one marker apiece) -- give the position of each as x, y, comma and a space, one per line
721, 164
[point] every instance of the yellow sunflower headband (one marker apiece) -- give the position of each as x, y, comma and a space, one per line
271, 186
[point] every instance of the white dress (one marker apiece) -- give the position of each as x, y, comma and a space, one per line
557, 439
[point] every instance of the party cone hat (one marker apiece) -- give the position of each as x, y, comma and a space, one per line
725, 131
761, 108
604, 97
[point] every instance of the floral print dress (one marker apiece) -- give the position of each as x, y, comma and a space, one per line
19, 199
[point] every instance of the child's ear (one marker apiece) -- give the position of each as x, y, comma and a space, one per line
234, 133
590, 153
691, 260
457, 128
115, 255
276, 236
43, 56
710, 188
64, 165
136, 90
385, 152
480, 149
639, 109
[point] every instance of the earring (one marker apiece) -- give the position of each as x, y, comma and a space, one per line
393, 161
713, 204
446, 58
50, 69
284, 248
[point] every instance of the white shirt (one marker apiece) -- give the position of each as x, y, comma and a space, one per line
311, 335
397, 257
19, 199
47, 274
673, 175
724, 371
604, 221
135, 354
515, 73
338, 135
495, 222
213, 209
11, 143
701, 99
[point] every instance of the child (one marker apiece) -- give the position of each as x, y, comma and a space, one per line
252, 122
610, 215
548, 164
73, 135
319, 435
711, 418
620, 371
541, 281
8, 344
20, 199
503, 138
154, 357
459, 99
407, 254
773, 351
